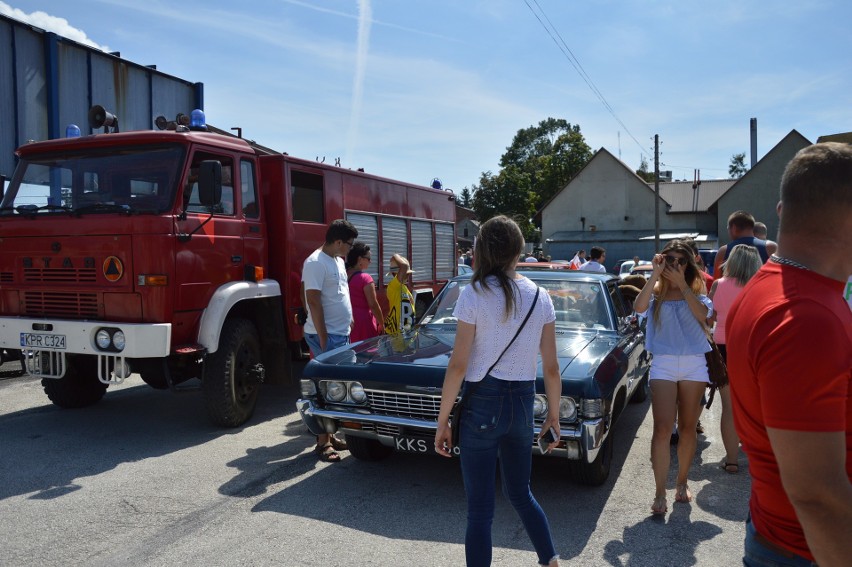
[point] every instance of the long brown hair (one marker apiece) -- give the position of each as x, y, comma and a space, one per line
692, 275
498, 247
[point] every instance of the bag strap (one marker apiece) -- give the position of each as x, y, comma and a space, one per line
518, 332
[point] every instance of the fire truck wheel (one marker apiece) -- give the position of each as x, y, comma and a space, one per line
232, 374
79, 387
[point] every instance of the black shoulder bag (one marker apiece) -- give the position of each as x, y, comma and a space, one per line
455, 413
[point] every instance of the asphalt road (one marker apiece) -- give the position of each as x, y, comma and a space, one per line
143, 479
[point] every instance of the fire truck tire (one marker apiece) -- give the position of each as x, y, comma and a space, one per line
79, 387
367, 449
230, 378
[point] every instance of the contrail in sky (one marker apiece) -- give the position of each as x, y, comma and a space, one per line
365, 18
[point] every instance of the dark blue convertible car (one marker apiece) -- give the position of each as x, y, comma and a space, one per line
384, 393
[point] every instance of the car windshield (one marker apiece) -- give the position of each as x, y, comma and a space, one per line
131, 180
578, 304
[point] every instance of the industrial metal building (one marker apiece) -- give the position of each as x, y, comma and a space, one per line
48, 82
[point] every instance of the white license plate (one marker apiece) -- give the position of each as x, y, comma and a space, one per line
416, 445
43, 341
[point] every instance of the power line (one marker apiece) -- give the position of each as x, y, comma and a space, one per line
572, 59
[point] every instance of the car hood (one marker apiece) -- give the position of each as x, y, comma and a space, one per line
421, 355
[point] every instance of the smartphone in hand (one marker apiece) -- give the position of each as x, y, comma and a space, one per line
546, 438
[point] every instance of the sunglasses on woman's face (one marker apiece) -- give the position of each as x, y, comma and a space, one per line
368, 258
670, 260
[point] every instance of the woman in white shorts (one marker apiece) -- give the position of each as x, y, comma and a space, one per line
677, 307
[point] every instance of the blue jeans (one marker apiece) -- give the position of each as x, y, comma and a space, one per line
498, 420
331, 343
758, 555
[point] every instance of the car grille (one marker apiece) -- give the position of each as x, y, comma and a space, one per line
415, 406
54, 304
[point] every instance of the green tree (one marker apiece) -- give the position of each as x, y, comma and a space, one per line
737, 168
550, 154
647, 176
507, 193
465, 198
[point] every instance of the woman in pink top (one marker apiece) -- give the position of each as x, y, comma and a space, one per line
743, 262
366, 311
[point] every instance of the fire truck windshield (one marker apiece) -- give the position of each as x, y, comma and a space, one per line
129, 180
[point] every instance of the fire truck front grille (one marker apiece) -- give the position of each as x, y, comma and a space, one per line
55, 304
416, 406
60, 275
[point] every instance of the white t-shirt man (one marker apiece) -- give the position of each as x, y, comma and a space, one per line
328, 275
593, 266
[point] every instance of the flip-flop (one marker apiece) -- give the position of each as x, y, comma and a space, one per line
682, 493
659, 506
327, 454
730, 468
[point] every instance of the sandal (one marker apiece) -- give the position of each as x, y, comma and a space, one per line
327, 454
659, 507
682, 493
338, 444
730, 468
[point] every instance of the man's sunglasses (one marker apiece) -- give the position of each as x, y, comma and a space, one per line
670, 260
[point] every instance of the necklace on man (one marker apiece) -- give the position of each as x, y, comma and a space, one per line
788, 262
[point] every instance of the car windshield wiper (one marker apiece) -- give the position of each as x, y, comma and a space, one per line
104, 208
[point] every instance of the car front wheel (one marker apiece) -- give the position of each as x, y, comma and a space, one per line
596, 472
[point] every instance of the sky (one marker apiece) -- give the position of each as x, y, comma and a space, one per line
422, 89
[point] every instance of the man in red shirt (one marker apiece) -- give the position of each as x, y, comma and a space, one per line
789, 339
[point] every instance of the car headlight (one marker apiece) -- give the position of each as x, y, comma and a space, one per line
119, 341
540, 406
103, 339
335, 391
567, 409
356, 391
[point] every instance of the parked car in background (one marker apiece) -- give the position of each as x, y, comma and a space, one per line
465, 269
541, 266
643, 270
384, 393
628, 266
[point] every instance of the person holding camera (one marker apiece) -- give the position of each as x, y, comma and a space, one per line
675, 302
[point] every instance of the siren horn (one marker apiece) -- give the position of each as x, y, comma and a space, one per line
99, 117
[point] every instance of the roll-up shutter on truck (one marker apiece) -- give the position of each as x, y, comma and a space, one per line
368, 233
445, 251
422, 256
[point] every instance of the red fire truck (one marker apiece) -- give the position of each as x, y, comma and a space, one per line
177, 255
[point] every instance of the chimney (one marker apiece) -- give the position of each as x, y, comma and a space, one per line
753, 123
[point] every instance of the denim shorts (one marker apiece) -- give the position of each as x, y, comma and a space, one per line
675, 368
331, 343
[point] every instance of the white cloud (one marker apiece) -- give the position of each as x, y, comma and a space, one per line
59, 26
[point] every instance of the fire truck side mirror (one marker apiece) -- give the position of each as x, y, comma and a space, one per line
210, 183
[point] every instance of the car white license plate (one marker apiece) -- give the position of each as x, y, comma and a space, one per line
416, 445
43, 341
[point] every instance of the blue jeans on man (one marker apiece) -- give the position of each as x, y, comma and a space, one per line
331, 343
498, 420
758, 554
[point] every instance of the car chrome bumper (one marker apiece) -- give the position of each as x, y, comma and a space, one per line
584, 438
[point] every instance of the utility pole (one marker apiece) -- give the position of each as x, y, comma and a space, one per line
656, 193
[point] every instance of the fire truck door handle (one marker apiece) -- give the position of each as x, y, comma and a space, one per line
236, 259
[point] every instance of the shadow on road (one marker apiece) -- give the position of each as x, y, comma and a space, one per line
379, 497
58, 447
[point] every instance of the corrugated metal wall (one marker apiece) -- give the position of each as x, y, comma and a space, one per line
48, 82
